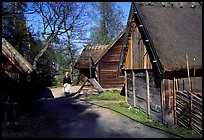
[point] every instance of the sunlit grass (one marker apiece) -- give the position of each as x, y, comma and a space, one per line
134, 113
107, 95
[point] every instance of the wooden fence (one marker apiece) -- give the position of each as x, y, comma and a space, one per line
189, 111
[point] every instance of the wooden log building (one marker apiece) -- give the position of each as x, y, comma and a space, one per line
14, 65
162, 58
16, 73
104, 63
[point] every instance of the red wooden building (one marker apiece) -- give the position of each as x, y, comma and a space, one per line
104, 61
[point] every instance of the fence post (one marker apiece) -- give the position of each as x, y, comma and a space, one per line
126, 84
148, 96
174, 100
190, 91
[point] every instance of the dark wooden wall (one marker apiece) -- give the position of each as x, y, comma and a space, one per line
108, 67
140, 88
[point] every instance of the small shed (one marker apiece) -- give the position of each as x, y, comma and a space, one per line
86, 64
104, 60
162, 58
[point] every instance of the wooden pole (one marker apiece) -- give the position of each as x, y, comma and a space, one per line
189, 83
183, 85
177, 85
162, 99
90, 66
169, 92
126, 84
131, 53
194, 72
174, 101
133, 74
164, 86
148, 96
133, 88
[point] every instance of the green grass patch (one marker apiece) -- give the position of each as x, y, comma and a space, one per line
136, 114
107, 95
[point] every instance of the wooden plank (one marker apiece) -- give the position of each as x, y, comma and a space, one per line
180, 121
148, 93
136, 48
96, 84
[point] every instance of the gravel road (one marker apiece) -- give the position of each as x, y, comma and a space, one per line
60, 117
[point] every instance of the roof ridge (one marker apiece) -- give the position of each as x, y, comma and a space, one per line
173, 4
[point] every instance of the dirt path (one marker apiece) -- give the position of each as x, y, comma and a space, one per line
61, 117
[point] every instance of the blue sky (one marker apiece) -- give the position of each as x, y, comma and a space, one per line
36, 22
124, 5
126, 8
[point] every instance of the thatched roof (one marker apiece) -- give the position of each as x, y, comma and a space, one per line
93, 52
170, 30
97, 52
175, 29
15, 57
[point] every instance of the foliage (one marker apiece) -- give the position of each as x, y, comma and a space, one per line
108, 19
135, 114
14, 26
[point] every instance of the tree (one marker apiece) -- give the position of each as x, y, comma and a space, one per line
52, 16
108, 19
59, 19
14, 27
74, 25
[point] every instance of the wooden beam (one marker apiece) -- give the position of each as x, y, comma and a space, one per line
148, 95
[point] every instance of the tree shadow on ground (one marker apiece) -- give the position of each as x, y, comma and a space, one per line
63, 117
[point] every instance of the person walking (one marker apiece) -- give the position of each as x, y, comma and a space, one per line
67, 83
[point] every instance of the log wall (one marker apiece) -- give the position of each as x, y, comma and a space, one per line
108, 67
140, 96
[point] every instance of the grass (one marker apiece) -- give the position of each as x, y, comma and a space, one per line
108, 95
135, 114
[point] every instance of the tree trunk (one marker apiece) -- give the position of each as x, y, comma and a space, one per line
39, 55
